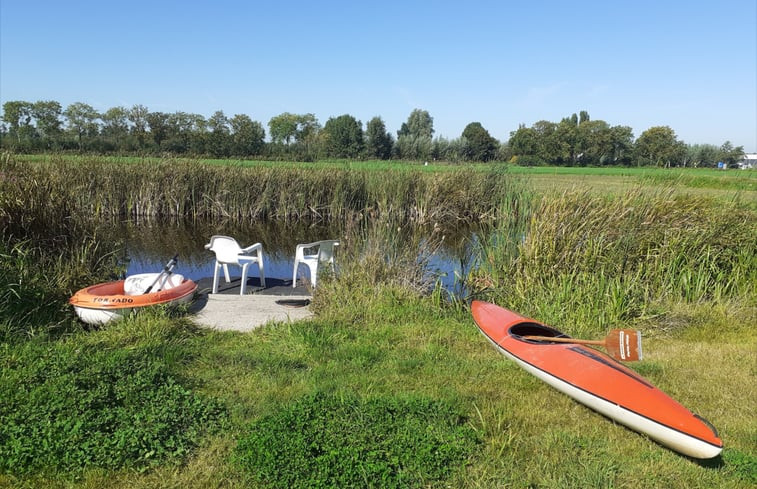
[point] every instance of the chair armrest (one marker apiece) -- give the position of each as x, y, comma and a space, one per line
308, 245
256, 247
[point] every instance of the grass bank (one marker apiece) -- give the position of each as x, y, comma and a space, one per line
681, 268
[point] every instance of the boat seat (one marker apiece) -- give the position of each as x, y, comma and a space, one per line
137, 284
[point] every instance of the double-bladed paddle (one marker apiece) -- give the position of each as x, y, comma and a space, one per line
621, 344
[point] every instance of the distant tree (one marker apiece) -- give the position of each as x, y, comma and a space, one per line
218, 140
344, 136
115, 125
481, 146
549, 147
730, 155
523, 141
247, 136
283, 127
566, 137
138, 118
18, 115
701, 155
659, 146
307, 136
420, 124
82, 121
378, 142
621, 138
414, 137
47, 114
306, 129
454, 150
159, 128
186, 133
595, 143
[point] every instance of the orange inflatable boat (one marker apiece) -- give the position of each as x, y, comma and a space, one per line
597, 381
109, 301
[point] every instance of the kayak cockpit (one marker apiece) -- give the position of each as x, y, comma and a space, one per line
518, 331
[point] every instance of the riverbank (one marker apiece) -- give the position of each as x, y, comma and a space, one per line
156, 401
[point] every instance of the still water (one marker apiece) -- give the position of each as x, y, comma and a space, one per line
150, 246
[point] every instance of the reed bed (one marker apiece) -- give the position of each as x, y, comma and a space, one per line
96, 188
590, 261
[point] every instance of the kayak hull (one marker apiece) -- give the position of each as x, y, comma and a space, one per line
597, 381
108, 301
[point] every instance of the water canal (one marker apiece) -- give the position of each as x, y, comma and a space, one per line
148, 246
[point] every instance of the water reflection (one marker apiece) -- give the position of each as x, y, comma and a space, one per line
149, 246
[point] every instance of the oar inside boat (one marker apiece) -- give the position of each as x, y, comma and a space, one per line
166, 269
621, 344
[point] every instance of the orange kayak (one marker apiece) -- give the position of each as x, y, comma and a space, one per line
597, 381
105, 302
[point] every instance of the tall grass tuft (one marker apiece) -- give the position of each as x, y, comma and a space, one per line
592, 261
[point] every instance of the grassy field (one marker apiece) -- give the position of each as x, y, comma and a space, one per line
155, 402
729, 184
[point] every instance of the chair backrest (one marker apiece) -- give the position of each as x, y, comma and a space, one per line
226, 249
326, 250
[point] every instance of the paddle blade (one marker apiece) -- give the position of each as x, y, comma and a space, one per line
624, 344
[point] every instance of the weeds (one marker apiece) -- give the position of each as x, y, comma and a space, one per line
591, 261
327, 441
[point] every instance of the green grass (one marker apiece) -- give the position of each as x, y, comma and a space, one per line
530, 434
343, 441
678, 267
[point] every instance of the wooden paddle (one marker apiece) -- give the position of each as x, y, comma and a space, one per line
621, 344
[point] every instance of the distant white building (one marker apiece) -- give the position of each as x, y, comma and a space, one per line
749, 161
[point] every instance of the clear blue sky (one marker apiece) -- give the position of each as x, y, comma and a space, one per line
690, 65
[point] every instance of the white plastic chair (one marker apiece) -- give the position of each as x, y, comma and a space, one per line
228, 252
311, 254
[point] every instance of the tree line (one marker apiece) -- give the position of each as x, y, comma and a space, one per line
577, 140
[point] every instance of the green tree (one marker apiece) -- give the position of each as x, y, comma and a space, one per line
219, 138
18, 115
481, 146
343, 136
420, 124
82, 121
138, 118
523, 141
115, 126
283, 127
247, 135
549, 148
414, 137
730, 155
621, 138
47, 114
659, 146
378, 142
158, 122
186, 133
701, 155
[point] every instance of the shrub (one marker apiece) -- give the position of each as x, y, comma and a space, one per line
64, 408
327, 441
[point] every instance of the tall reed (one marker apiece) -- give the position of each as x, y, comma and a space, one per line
592, 261
95, 188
